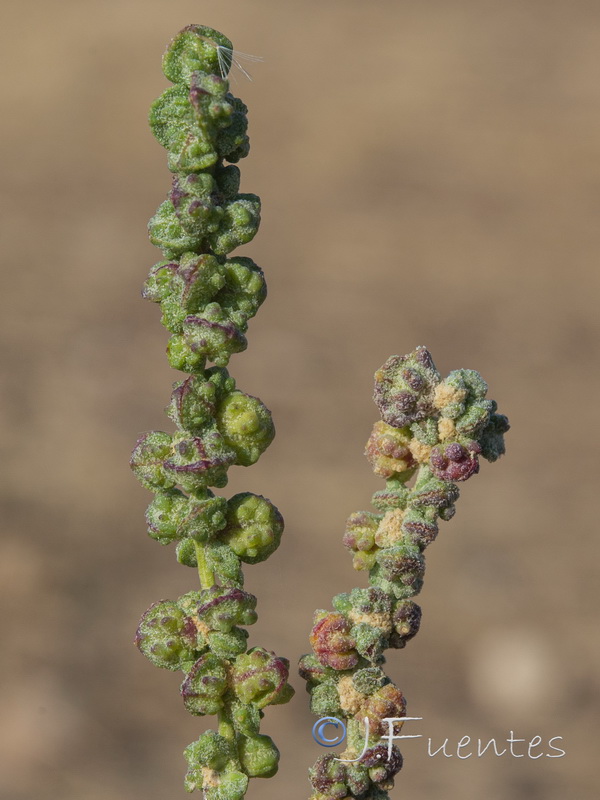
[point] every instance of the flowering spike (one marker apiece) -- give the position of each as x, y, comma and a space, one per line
431, 434
207, 298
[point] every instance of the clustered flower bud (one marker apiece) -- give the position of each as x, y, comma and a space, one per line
435, 431
260, 677
404, 388
368, 779
332, 641
227, 427
253, 527
388, 451
207, 298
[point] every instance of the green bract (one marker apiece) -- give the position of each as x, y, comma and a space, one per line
434, 431
254, 527
207, 298
259, 756
203, 518
246, 426
165, 514
260, 677
205, 685
200, 124
162, 636
210, 750
148, 460
222, 609
194, 49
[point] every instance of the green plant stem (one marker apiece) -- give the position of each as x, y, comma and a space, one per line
206, 575
226, 728
353, 738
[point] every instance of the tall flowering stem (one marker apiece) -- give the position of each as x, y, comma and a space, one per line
431, 436
206, 299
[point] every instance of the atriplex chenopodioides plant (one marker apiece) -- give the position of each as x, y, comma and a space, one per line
434, 430
206, 300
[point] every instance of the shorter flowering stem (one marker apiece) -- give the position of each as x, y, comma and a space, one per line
432, 432
206, 575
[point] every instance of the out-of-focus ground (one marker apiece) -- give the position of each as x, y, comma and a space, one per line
430, 174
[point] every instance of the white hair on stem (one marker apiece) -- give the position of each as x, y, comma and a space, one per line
228, 57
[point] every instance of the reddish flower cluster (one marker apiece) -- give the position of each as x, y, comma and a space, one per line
435, 431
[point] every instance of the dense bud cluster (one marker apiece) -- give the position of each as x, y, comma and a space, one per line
435, 431
206, 299
367, 779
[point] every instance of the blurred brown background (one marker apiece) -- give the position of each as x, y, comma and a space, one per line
430, 174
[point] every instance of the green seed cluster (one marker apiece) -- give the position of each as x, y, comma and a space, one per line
206, 299
434, 431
